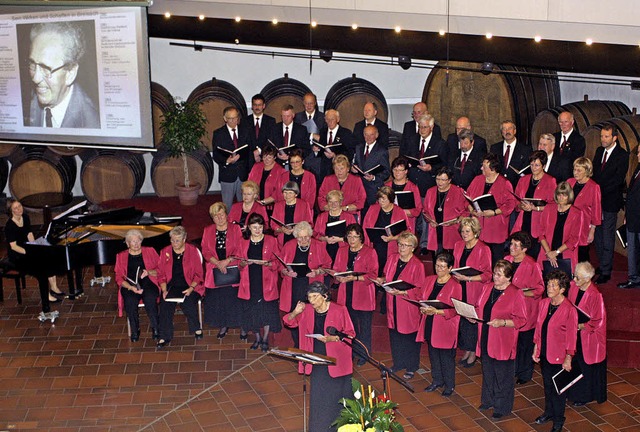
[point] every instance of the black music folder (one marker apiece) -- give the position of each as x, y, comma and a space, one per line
564, 264
336, 229
483, 202
563, 380
437, 304
466, 271
405, 200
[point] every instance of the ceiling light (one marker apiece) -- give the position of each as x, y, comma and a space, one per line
489, 35
274, 21
167, 14
589, 41
314, 23
354, 26
538, 38
201, 17
238, 19
442, 32
398, 29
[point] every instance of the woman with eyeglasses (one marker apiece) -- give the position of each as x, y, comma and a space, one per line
240, 211
587, 199
305, 180
291, 210
266, 174
331, 216
400, 183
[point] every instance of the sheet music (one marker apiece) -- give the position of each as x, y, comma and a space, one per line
464, 309
75, 207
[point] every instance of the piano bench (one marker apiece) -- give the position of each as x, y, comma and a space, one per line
8, 271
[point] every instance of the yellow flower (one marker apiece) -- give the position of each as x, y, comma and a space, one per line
351, 428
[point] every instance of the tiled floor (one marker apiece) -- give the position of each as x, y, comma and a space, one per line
83, 374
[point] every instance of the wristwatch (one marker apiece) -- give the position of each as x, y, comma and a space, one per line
558, 251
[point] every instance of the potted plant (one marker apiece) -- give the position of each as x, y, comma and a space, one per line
183, 126
367, 413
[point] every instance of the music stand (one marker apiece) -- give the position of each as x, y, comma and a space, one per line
306, 357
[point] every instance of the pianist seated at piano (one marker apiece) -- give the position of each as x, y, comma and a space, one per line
180, 276
18, 232
136, 272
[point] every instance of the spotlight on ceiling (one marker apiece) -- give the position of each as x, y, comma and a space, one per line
326, 55
487, 68
404, 62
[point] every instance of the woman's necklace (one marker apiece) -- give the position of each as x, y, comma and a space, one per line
534, 181
303, 249
441, 202
494, 297
255, 242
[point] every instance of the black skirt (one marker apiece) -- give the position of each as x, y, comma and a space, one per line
326, 392
222, 307
259, 314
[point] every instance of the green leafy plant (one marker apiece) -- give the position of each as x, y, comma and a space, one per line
367, 413
183, 126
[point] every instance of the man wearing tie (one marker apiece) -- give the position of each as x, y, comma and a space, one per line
287, 133
311, 112
466, 162
610, 165
367, 156
233, 168
259, 126
332, 134
511, 152
632, 219
410, 129
557, 166
370, 112
453, 141
571, 144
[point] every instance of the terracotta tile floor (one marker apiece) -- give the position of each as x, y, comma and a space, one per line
83, 374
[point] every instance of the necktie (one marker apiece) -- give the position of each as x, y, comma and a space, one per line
330, 138
604, 161
48, 117
463, 162
368, 124
257, 128
506, 156
366, 151
309, 117
564, 144
422, 148
286, 136
235, 138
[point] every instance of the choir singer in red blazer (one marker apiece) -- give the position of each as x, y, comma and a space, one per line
241, 211
555, 344
267, 174
495, 223
350, 185
588, 200
305, 179
400, 183
328, 383
501, 305
592, 338
439, 327
358, 293
291, 210
334, 214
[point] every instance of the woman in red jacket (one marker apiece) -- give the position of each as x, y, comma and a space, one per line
527, 277
136, 271
503, 311
403, 318
439, 327
306, 180
179, 274
358, 293
588, 200
333, 215
289, 211
591, 347
266, 175
329, 384
401, 183
258, 290
555, 344
350, 185
240, 211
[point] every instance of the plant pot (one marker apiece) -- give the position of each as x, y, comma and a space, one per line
188, 196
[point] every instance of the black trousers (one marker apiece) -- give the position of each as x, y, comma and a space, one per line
189, 309
443, 366
524, 353
498, 386
149, 297
467, 335
554, 404
362, 325
405, 351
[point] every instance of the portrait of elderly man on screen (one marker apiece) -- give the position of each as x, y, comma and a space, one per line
57, 99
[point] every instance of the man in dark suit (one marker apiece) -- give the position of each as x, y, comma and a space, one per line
453, 141
410, 129
258, 125
320, 161
233, 167
370, 118
367, 156
570, 143
632, 219
311, 112
287, 133
466, 162
610, 165
557, 166
511, 151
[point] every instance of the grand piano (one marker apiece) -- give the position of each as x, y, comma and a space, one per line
76, 239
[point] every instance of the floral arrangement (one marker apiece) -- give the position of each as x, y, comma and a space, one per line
367, 412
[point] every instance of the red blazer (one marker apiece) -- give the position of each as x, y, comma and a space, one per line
529, 275
445, 327
479, 259
301, 213
191, 264
570, 233
150, 259
397, 214
236, 212
308, 187
352, 189
364, 292
318, 257
495, 229
415, 212
272, 184
455, 205
593, 336
589, 202
234, 236
545, 190
510, 305
337, 317
320, 226
408, 314
269, 274
562, 332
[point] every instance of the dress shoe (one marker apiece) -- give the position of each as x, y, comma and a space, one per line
543, 419
408, 375
55, 300
243, 336
222, 334
483, 407
361, 362
603, 278
557, 427
447, 392
255, 345
135, 336
628, 285
433, 387
264, 346
579, 404
497, 416
521, 381
199, 335
162, 343
156, 333
462, 362
470, 365
61, 293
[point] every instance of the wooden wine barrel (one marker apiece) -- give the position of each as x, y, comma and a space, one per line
214, 96
166, 172
394, 144
7, 149
349, 95
36, 169
585, 113
111, 174
161, 101
488, 99
281, 92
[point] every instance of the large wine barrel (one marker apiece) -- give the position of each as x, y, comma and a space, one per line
214, 96
36, 169
585, 113
111, 174
7, 149
394, 144
349, 95
281, 92
166, 172
161, 101
508, 94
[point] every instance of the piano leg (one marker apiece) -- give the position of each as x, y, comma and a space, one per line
43, 284
75, 283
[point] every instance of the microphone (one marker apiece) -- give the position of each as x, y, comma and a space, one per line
335, 332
